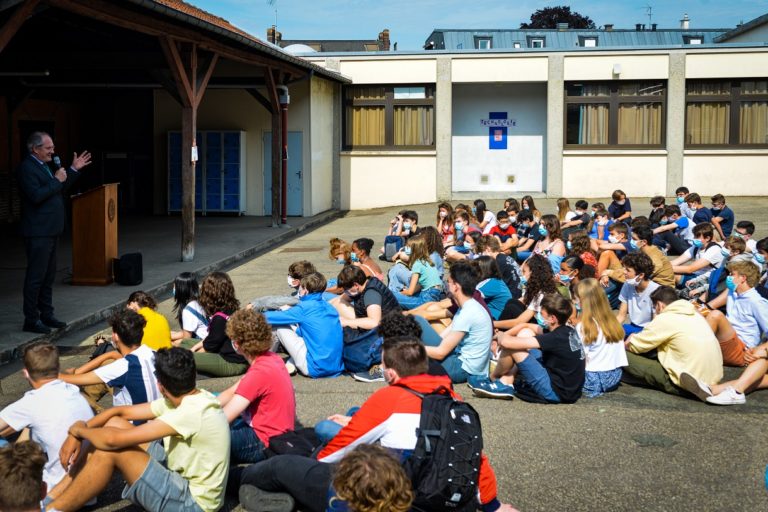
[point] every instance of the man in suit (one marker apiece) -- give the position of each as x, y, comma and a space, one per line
42, 221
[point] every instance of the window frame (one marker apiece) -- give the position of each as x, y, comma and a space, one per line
389, 103
583, 41
614, 101
734, 100
692, 39
481, 39
531, 39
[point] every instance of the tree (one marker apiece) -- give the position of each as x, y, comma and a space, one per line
549, 17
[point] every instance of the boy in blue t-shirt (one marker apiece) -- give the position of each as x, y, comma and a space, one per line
722, 216
700, 213
681, 194
675, 233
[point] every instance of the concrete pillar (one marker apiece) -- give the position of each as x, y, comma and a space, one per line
553, 185
675, 120
443, 128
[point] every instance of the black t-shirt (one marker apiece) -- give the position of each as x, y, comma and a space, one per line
563, 358
509, 275
583, 219
531, 232
372, 297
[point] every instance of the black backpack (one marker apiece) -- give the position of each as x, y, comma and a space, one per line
445, 465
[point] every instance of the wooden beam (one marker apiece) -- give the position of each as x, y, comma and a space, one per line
179, 73
202, 83
15, 22
276, 146
260, 98
166, 80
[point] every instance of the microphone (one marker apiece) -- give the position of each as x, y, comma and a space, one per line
57, 161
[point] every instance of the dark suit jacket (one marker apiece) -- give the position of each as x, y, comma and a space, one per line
42, 204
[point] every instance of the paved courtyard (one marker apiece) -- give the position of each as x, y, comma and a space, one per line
635, 449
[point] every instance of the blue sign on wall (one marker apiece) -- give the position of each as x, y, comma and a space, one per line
497, 131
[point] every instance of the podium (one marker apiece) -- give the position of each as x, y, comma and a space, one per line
94, 235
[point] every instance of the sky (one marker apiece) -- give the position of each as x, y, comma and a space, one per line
411, 21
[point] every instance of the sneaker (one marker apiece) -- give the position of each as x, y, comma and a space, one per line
728, 396
487, 388
694, 386
254, 499
375, 374
290, 368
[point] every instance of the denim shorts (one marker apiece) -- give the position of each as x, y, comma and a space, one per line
246, 447
159, 488
597, 383
533, 376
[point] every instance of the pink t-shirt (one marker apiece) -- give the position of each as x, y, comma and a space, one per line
268, 387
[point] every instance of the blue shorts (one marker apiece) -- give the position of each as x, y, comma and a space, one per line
597, 383
534, 377
160, 489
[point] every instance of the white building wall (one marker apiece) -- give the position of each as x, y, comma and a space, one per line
374, 180
499, 69
726, 65
520, 167
632, 67
710, 172
320, 180
390, 71
598, 174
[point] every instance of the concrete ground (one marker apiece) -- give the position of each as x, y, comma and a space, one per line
635, 449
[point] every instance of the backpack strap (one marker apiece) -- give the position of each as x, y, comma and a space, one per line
197, 314
221, 314
441, 390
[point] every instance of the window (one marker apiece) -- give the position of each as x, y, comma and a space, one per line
386, 117
588, 42
483, 43
629, 114
516, 44
693, 40
536, 42
726, 112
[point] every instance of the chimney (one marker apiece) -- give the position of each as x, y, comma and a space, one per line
608, 27
384, 40
562, 26
273, 36
638, 27
685, 23
653, 26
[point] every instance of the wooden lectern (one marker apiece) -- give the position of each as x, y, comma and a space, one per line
94, 235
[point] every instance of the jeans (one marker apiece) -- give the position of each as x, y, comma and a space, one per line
598, 383
245, 445
524, 255
412, 301
677, 245
307, 480
535, 377
326, 430
398, 277
452, 363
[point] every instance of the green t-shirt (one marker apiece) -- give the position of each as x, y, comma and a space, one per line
428, 275
200, 451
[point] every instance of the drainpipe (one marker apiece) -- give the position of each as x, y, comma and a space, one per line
285, 99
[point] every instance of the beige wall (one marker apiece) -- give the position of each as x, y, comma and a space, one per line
726, 65
376, 180
633, 67
712, 172
598, 175
320, 180
395, 71
510, 69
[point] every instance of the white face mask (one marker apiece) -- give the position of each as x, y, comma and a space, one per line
634, 282
291, 282
613, 239
513, 219
443, 214
504, 226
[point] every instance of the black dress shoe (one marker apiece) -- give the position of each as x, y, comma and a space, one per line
53, 323
38, 327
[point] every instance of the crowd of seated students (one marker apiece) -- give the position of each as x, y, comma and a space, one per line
519, 303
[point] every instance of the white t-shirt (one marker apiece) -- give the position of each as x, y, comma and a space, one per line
751, 245
601, 355
569, 216
639, 305
535, 304
48, 411
713, 255
490, 218
132, 377
193, 320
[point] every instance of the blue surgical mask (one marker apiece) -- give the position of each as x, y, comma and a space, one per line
592, 213
760, 258
173, 292
526, 207
523, 280
737, 234
407, 251
569, 245
474, 211
698, 243
613, 239
467, 245
540, 320
680, 199
543, 231
726, 253
633, 244
458, 226
663, 221
565, 278
406, 225
341, 261
524, 225
730, 283
577, 305
354, 258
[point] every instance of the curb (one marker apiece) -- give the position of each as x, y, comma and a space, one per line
9, 355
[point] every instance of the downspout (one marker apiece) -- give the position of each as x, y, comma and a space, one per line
284, 99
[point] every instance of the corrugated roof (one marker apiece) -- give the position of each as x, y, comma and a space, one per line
458, 39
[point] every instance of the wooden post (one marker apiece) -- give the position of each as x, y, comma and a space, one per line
277, 148
15, 22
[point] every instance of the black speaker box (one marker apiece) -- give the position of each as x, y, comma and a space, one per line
129, 270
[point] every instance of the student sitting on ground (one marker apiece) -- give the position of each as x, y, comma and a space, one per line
365, 300
528, 234
635, 297
658, 203
508, 268
675, 233
46, 410
570, 269
408, 221
579, 221
722, 216
701, 258
505, 233
551, 245
215, 355
310, 331
390, 416
602, 336
612, 250
486, 220
527, 204
464, 347
179, 461
296, 271
600, 227
579, 244
130, 376
463, 229
493, 289
435, 248
550, 367
189, 312
700, 213
745, 323
261, 404
425, 284
21, 477
444, 224
537, 280
157, 332
683, 342
642, 240
681, 193
745, 229
620, 208
361, 257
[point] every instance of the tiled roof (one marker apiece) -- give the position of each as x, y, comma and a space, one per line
200, 14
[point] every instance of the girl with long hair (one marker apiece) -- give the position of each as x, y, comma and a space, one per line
361, 257
444, 224
189, 313
494, 291
602, 336
551, 245
485, 218
526, 203
425, 284
537, 281
564, 212
215, 355
579, 244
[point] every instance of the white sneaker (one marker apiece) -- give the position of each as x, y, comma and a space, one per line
693, 385
728, 396
290, 368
